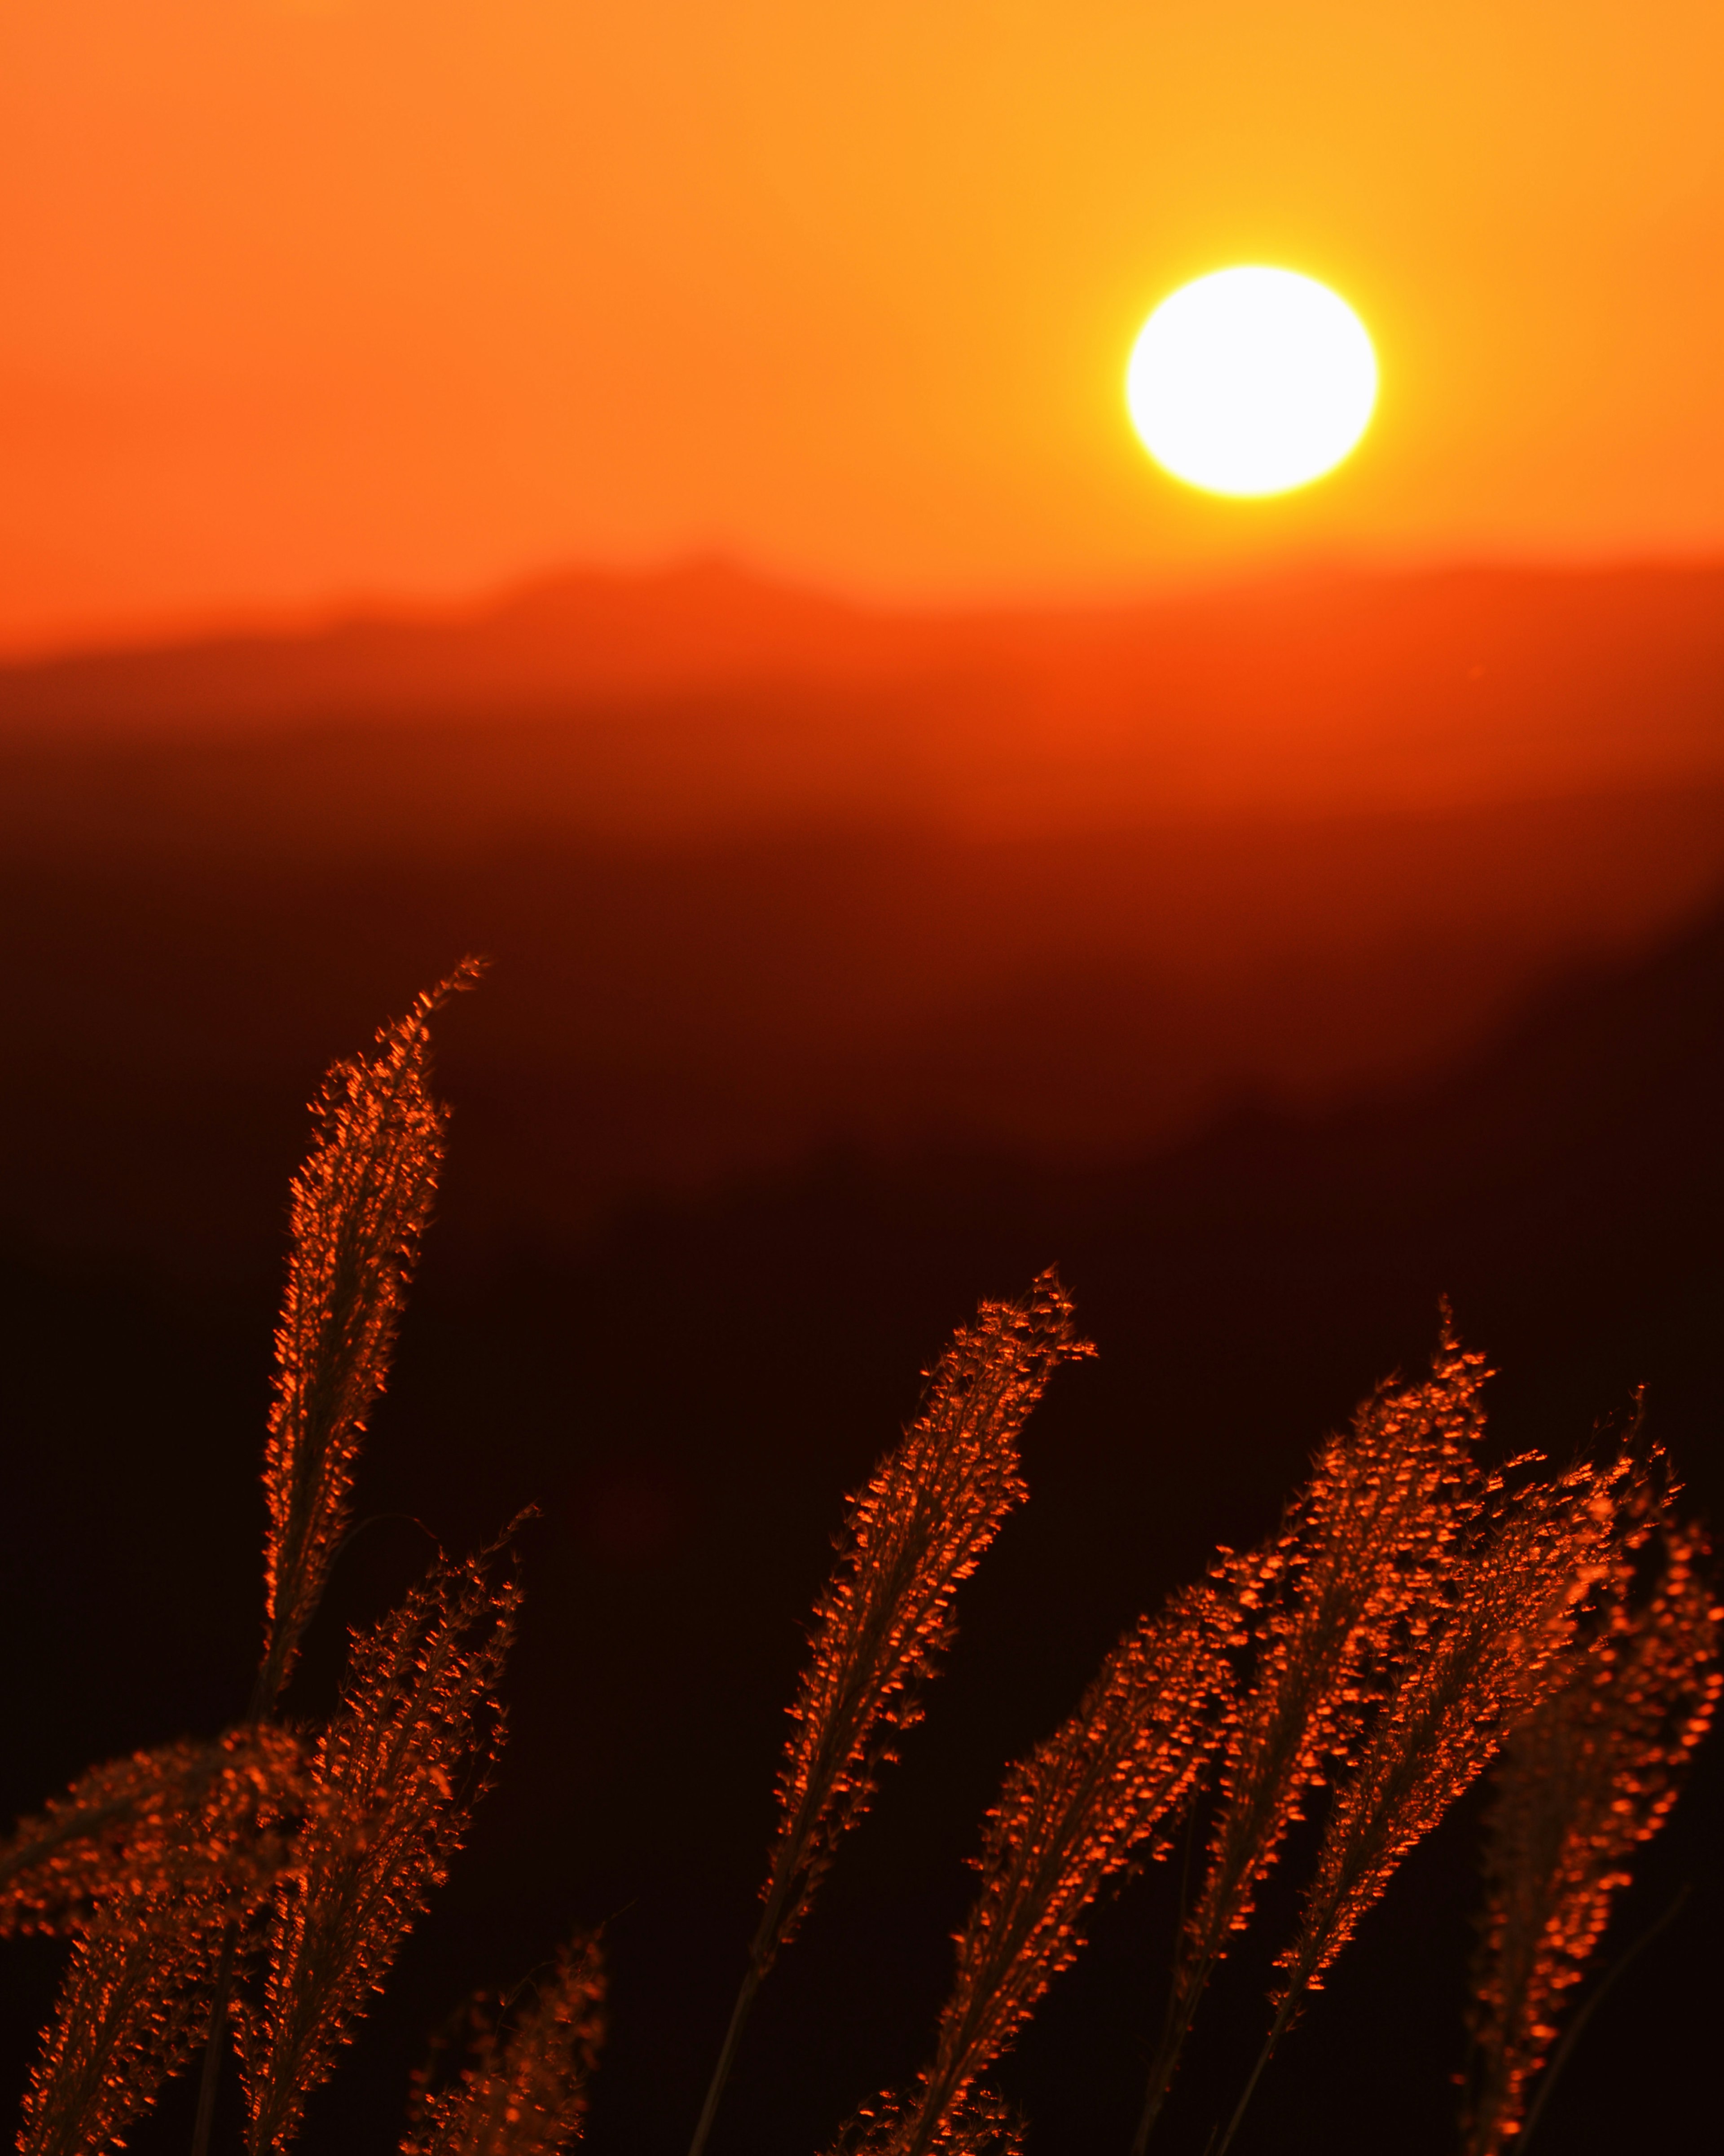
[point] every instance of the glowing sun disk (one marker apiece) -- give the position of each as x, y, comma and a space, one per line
1251, 381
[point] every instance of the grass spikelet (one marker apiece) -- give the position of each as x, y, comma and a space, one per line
909, 1538
359, 1207
1074, 1813
522, 2090
149, 1824
1332, 1603
1585, 1779
392, 1786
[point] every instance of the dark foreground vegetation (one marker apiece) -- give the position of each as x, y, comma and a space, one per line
1431, 1607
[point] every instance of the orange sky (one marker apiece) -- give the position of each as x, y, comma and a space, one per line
305, 298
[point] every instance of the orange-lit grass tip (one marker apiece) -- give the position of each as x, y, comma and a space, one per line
1584, 1780
910, 1539
393, 1784
359, 1207
1501, 1646
148, 1863
1072, 1816
521, 2089
1339, 1595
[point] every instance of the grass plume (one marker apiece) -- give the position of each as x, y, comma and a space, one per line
982, 2124
360, 1205
182, 1848
1075, 1814
1587, 1777
910, 1539
522, 2088
1501, 1646
392, 1786
151, 1824
1332, 1603
171, 1870
134, 2006
1409, 1620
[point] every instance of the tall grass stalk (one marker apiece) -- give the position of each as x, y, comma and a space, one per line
1333, 1604
359, 1209
1084, 1807
1590, 1775
392, 1786
910, 1539
1502, 1645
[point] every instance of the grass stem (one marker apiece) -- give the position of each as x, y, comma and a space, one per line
1277, 2030
727, 2054
209, 2078
1571, 2036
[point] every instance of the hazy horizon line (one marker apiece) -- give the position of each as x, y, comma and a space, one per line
123, 631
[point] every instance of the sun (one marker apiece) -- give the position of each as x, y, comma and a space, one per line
1251, 380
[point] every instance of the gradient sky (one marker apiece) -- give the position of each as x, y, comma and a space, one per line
305, 299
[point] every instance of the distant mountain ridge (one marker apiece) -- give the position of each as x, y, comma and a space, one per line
762, 872
1315, 694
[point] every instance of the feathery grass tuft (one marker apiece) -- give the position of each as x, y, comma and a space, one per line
183, 1849
1076, 1813
980, 2124
1333, 1604
1501, 1646
522, 2090
392, 1786
360, 1206
134, 2006
1586, 1779
1496, 1653
909, 1541
156, 1821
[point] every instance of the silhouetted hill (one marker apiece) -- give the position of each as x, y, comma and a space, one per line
700, 701
762, 872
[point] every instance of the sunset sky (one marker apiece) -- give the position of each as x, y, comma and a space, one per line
309, 301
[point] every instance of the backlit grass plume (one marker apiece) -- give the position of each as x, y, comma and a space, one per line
1586, 1779
1073, 1815
392, 1785
1501, 1646
910, 1539
1332, 1603
134, 2006
983, 2124
181, 1848
522, 2089
1406, 1619
172, 1871
360, 1205
149, 1824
